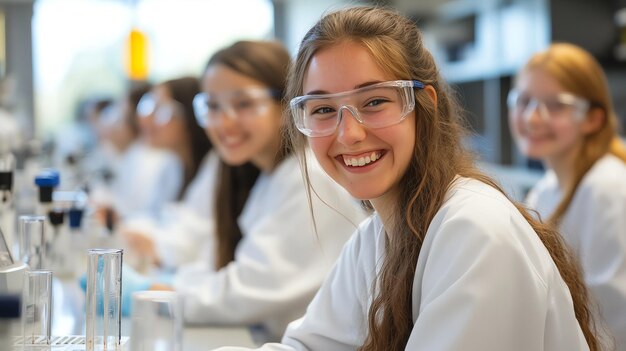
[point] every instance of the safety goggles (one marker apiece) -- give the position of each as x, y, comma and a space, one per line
163, 112
375, 106
110, 116
242, 104
559, 105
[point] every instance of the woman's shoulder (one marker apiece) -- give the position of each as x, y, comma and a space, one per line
368, 243
476, 199
477, 226
605, 179
476, 215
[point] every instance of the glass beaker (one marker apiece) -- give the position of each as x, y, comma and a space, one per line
104, 299
37, 307
32, 244
157, 321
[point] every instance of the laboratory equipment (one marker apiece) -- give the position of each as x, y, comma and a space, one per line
37, 308
75, 218
46, 181
104, 299
11, 272
32, 241
59, 252
7, 170
157, 321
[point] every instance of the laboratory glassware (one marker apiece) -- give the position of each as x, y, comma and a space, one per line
104, 299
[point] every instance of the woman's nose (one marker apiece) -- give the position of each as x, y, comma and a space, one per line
350, 130
533, 114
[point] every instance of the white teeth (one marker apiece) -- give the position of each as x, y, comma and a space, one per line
361, 161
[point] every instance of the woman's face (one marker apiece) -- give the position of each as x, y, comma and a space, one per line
348, 66
115, 126
544, 122
163, 126
244, 125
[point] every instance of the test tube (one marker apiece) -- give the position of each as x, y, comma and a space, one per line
104, 299
32, 247
37, 308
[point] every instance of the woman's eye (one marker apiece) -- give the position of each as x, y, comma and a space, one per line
212, 106
554, 106
243, 104
523, 101
322, 111
376, 102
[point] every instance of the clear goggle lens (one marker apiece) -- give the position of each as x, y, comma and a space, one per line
162, 112
375, 106
241, 104
562, 104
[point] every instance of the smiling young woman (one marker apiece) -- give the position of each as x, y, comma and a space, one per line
447, 262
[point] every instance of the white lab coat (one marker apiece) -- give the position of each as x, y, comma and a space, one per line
280, 261
483, 282
144, 180
183, 231
595, 226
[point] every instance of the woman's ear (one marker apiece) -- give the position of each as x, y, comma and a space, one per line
432, 94
596, 117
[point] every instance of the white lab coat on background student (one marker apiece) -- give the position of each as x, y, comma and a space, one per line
280, 261
483, 282
594, 225
183, 231
144, 179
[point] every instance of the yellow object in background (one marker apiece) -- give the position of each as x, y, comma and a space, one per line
137, 58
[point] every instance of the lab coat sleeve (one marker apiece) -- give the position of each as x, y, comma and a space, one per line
183, 236
167, 174
336, 318
603, 255
479, 292
279, 265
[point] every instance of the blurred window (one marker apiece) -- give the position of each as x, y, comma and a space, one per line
79, 46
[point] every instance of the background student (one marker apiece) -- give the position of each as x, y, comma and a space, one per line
143, 178
561, 113
167, 118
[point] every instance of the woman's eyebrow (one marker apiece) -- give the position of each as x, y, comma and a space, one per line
321, 92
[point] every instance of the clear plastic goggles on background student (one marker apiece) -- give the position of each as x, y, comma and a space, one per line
163, 112
240, 104
376, 106
522, 104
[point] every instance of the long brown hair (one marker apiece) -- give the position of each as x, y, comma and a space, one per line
396, 45
183, 90
266, 62
580, 74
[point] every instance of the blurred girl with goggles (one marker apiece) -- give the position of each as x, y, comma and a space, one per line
561, 113
167, 119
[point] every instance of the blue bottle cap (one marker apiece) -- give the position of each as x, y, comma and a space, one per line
76, 216
47, 178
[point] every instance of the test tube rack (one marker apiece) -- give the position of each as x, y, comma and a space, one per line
66, 343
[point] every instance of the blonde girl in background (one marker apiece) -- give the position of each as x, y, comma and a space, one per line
447, 262
561, 113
